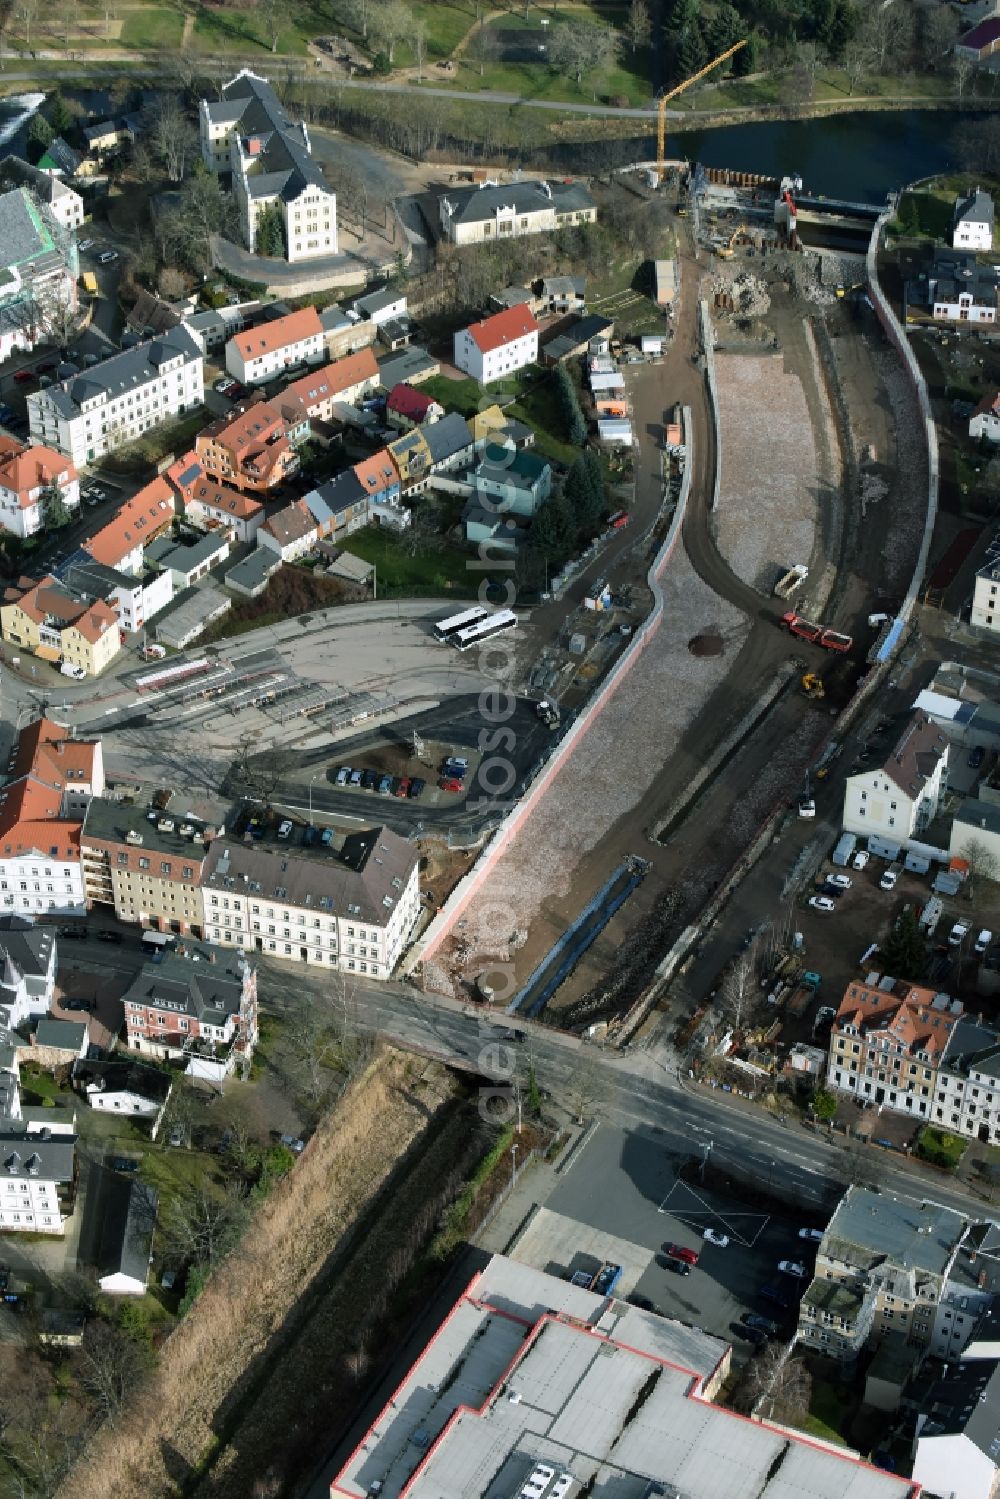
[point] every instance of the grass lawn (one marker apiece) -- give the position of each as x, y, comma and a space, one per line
454, 395
172, 1170
431, 573
537, 404
826, 1412
172, 437
933, 213
42, 1085
152, 29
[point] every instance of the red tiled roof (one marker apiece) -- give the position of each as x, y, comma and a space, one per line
906, 1011
25, 470
408, 402
269, 337
502, 328
138, 521
199, 489
376, 472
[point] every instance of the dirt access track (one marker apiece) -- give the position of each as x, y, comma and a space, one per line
718, 653
250, 1381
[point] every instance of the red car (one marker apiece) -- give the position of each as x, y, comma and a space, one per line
25, 377
403, 787
678, 1252
450, 783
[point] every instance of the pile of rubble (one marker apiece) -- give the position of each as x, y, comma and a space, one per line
740, 292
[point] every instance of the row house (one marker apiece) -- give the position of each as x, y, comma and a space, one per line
407, 406
27, 475
52, 779
898, 799
210, 505
122, 398
348, 380
60, 627
254, 449
198, 1004
345, 334
350, 909
146, 864
497, 346
262, 352
136, 599
379, 478
27, 970
148, 514
291, 532
888, 1042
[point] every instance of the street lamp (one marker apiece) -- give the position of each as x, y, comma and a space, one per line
311, 779
706, 1147
513, 1166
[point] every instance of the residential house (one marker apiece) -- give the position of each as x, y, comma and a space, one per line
266, 350
407, 406
881, 1269
146, 863
412, 458
887, 1043
136, 599
386, 304
252, 449
470, 216
214, 506
349, 379
213, 327
563, 294
975, 822
494, 425
199, 1005
350, 906
512, 482
515, 296
52, 779
972, 222
379, 478
957, 1441
59, 159
126, 1088
898, 799
127, 1224
65, 206
967, 1098
339, 506
981, 42
37, 1168
409, 366
27, 476
39, 266
291, 532
148, 514
985, 420
575, 340
498, 345
450, 443
100, 410
58, 626
968, 1311
956, 289
190, 559
102, 137
249, 134
27, 970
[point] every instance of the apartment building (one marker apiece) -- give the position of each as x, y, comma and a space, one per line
27, 970
248, 133
882, 1267
212, 506
100, 410
197, 1004
38, 1169
27, 475
956, 1449
58, 626
148, 514
262, 352
254, 449
474, 215
65, 205
38, 270
985, 610
888, 1042
52, 779
899, 798
958, 289
349, 907
498, 345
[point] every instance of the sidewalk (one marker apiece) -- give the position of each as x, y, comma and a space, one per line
534, 1185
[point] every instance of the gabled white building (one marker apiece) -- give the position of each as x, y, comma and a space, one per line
972, 224
898, 799
498, 345
260, 353
26, 474
985, 420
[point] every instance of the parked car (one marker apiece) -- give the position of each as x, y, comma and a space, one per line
285, 828
369, 780
763, 1324
293, 1143
77, 1004
824, 1014
712, 1236
354, 779
750, 1334
107, 256
807, 807
168, 1280
822, 903
976, 756
888, 880
792, 1267
384, 787
123, 1163
814, 1235
25, 377
85, 244
983, 941
449, 783
958, 933
861, 858
47, 366
176, 1136
74, 933
681, 1252
679, 1267
775, 1294
834, 892
309, 837
343, 776
224, 384
402, 787
843, 880
416, 787
115, 937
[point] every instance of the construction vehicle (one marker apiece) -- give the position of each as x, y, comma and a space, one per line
812, 686
727, 251
791, 581
807, 629
664, 100
548, 713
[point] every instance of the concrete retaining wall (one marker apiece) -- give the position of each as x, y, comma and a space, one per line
472, 882
707, 339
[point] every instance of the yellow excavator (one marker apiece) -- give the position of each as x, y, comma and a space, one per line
812, 685
664, 100
726, 252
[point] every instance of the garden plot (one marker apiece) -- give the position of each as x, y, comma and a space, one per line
770, 481
610, 773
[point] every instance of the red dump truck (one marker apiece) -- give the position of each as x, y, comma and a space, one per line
807, 629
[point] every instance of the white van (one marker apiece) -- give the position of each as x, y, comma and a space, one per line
70, 669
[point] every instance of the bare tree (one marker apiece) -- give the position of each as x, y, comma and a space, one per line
888, 32
173, 136
259, 774
776, 1386
586, 1089
112, 1365
962, 70
982, 862
275, 14
939, 30
484, 46
390, 24
419, 45
858, 59
200, 1226
738, 994
638, 27
580, 48
26, 13
358, 14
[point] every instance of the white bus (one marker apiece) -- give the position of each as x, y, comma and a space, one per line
449, 628
494, 624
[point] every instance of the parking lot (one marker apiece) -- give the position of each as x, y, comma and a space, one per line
641, 1206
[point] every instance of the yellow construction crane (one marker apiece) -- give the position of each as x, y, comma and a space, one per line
661, 113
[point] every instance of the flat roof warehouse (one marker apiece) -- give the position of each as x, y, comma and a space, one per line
527, 1370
